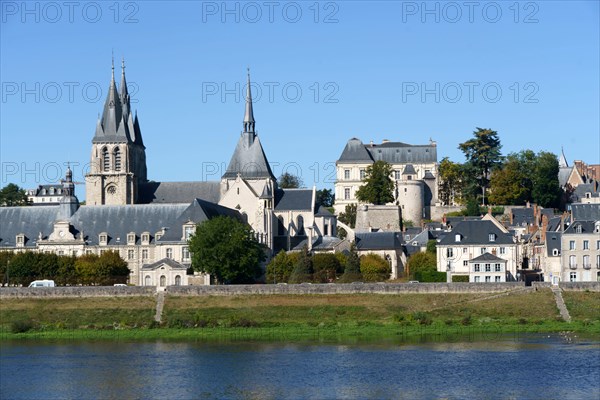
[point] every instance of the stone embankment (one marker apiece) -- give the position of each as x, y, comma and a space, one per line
302, 289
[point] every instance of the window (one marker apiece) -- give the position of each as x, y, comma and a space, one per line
131, 238
169, 252
598, 261
185, 254
488, 267
586, 244
145, 238
578, 228
144, 254
457, 237
465, 263
130, 254
20, 240
488, 278
483, 250
117, 156
61, 253
573, 276
188, 232
362, 174
572, 245
502, 250
163, 280
397, 175
105, 160
88, 252
465, 250
492, 237
177, 280
449, 252
103, 239
476, 279
346, 193
280, 226
497, 279
148, 280
346, 174
477, 268
572, 262
409, 177
300, 225
586, 262
497, 267
597, 244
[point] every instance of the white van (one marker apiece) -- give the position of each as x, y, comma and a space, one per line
42, 283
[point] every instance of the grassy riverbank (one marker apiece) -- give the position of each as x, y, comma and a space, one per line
298, 317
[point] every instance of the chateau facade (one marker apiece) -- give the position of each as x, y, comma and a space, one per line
415, 175
148, 223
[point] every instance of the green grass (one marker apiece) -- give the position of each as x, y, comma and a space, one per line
298, 317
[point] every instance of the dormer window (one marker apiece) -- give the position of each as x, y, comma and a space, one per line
20, 240
158, 235
457, 237
492, 237
145, 238
188, 231
597, 227
578, 228
103, 239
131, 238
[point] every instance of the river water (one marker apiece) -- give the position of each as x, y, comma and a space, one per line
527, 367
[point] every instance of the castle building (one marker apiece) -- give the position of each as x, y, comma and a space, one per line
149, 223
414, 176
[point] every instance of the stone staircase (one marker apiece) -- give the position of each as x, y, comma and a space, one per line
560, 303
160, 303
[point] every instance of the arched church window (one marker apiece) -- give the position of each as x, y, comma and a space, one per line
105, 159
177, 280
280, 226
163, 280
117, 159
300, 225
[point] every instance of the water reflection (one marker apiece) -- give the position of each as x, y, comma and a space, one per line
530, 367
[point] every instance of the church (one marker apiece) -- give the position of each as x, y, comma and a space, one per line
149, 222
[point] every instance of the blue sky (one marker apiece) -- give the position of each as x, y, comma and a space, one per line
324, 72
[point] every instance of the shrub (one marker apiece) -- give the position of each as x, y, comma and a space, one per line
467, 320
422, 318
326, 267
21, 326
351, 267
280, 268
374, 268
460, 278
421, 262
430, 276
303, 268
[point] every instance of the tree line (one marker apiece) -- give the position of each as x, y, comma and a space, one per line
89, 269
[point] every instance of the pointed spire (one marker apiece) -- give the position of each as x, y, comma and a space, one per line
562, 162
124, 91
249, 114
112, 115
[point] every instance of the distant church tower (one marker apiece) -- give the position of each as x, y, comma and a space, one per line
118, 160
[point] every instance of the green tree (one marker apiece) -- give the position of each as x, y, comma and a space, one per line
66, 273
348, 217
86, 269
352, 267
111, 269
303, 268
23, 268
432, 246
483, 155
508, 184
374, 268
378, 187
325, 197
326, 267
451, 182
289, 181
280, 268
226, 249
546, 189
12, 195
421, 262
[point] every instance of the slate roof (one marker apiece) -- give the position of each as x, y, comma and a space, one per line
378, 240
587, 212
249, 159
391, 152
487, 257
198, 211
521, 216
581, 191
587, 227
553, 224
409, 170
171, 263
29, 221
293, 200
563, 175
118, 221
321, 243
553, 242
178, 192
323, 212
476, 233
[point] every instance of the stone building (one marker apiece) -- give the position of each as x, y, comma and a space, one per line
149, 222
580, 255
414, 176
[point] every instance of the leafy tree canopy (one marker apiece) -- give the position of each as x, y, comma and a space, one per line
325, 197
289, 181
226, 249
303, 268
348, 217
451, 182
421, 262
378, 187
12, 195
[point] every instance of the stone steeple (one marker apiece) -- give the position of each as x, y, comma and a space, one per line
249, 114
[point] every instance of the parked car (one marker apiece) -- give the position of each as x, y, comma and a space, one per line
42, 283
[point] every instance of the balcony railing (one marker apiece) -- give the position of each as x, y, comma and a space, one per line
573, 266
587, 266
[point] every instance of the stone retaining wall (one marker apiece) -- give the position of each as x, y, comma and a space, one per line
580, 286
77, 291
236, 290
